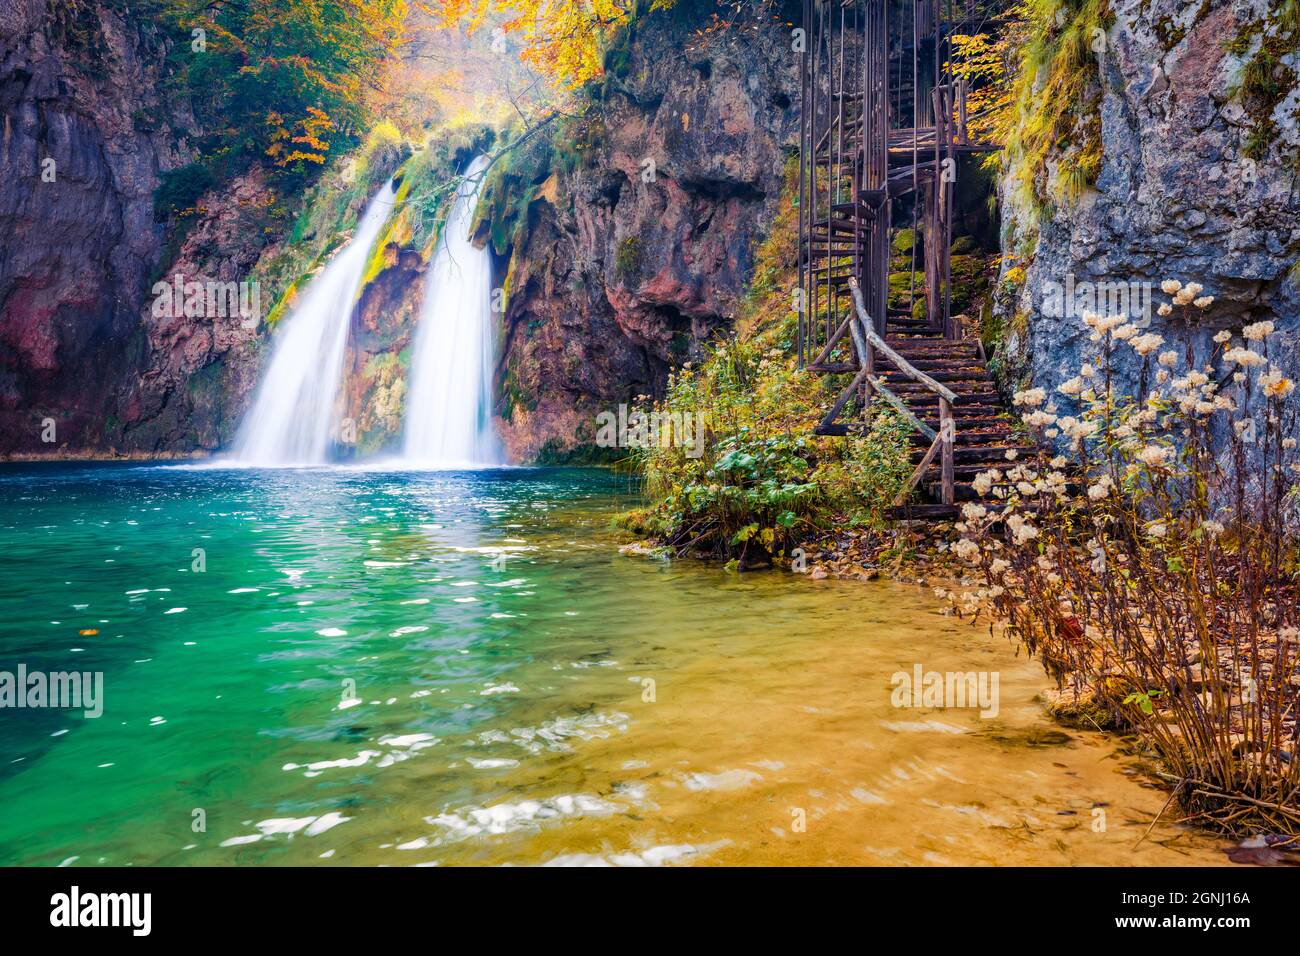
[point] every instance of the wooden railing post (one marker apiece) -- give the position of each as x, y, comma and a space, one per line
963, 135
869, 366
867, 342
947, 433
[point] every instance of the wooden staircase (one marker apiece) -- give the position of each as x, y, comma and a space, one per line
884, 130
983, 432
942, 386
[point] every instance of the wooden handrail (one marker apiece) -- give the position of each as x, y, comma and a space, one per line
920, 470
902, 364
845, 395
865, 339
902, 408
948, 435
942, 443
830, 343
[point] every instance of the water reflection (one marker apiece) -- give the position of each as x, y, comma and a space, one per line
356, 678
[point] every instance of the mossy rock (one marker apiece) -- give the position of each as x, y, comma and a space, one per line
558, 453
205, 385
900, 287
1082, 709
629, 257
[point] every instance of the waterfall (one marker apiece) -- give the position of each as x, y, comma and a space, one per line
292, 417
449, 399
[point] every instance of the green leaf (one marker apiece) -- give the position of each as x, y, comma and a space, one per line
736, 460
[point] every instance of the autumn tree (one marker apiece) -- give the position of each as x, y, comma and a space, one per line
563, 39
288, 80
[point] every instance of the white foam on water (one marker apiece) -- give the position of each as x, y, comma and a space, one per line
555, 734
500, 818
414, 741
401, 747
920, 727
866, 796
653, 856
491, 763
289, 826
726, 780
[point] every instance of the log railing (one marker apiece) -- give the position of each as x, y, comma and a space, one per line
867, 343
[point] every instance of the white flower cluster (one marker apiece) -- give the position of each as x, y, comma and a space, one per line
1189, 294
1030, 397
1136, 446
1022, 531
1275, 384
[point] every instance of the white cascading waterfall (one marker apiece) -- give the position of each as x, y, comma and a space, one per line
291, 421
449, 398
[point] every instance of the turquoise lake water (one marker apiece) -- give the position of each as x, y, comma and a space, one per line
370, 667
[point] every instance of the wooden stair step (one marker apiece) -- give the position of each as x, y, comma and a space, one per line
965, 398
986, 456
976, 439
969, 469
942, 366
961, 490
935, 343
961, 384
969, 407
926, 511
938, 359
966, 404
941, 363
970, 438
965, 395
925, 353
966, 424
934, 367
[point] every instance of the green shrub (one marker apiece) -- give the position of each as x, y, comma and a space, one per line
627, 260
764, 482
179, 189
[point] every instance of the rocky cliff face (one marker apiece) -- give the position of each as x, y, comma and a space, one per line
85, 135
196, 373
1199, 144
634, 254
192, 375
84, 342
379, 351
634, 258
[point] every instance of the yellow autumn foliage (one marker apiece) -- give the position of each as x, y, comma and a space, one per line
564, 40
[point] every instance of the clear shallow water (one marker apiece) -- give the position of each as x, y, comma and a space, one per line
501, 712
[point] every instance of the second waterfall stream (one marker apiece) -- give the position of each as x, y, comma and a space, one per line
449, 396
